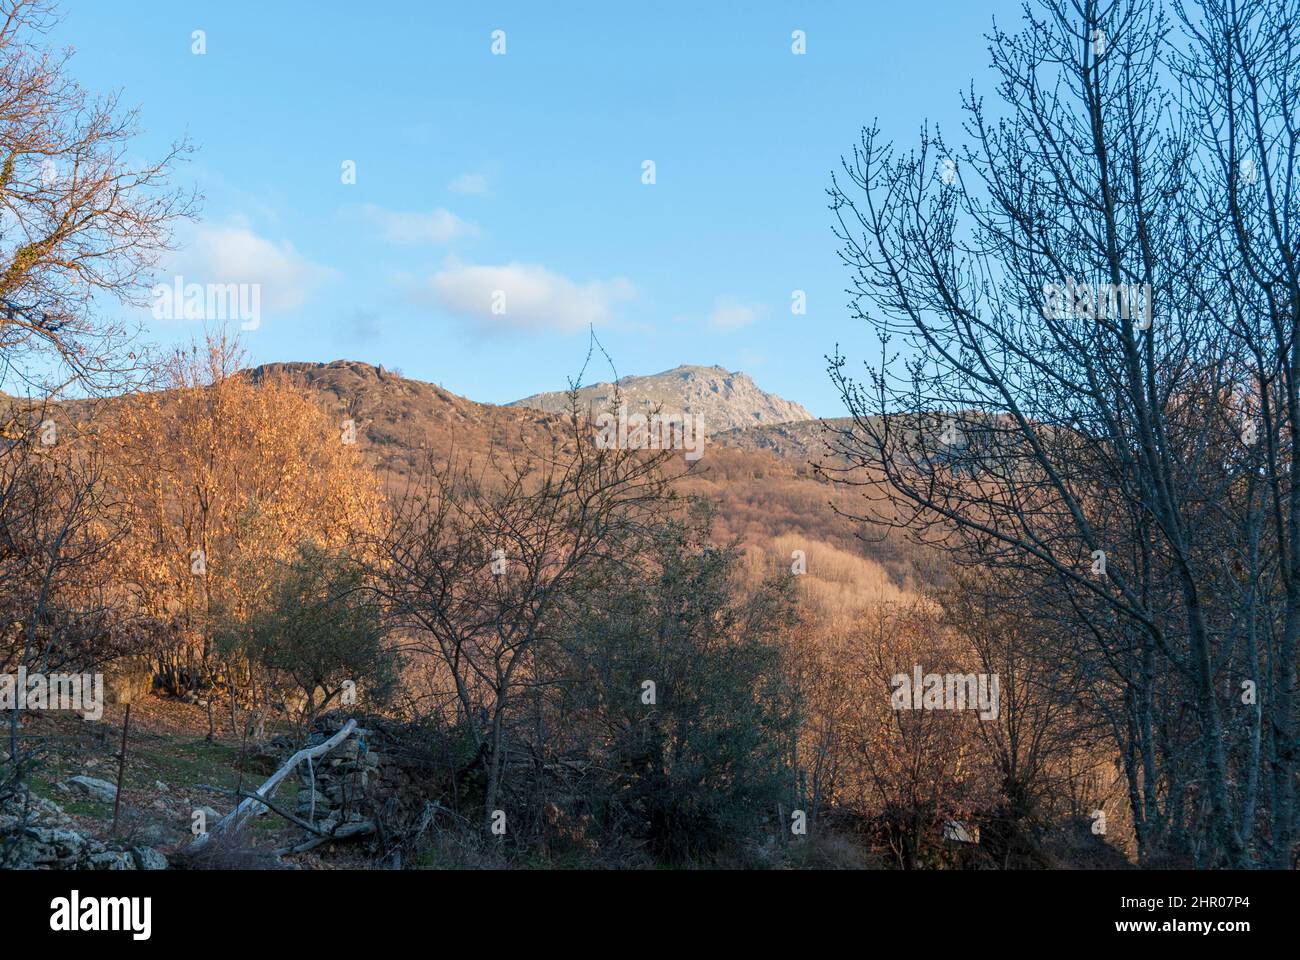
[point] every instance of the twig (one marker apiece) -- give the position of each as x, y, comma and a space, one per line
344, 832
264, 801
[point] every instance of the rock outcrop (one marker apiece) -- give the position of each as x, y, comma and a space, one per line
721, 399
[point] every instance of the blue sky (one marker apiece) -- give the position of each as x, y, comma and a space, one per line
523, 172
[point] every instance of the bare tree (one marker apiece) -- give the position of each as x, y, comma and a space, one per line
1243, 86
481, 561
61, 608
1068, 400
79, 217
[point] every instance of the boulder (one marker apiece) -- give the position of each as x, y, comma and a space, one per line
147, 858
94, 788
112, 860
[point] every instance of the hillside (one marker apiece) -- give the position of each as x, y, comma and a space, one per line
758, 478
397, 418
799, 441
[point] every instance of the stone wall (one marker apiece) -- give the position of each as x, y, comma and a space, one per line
35, 835
372, 776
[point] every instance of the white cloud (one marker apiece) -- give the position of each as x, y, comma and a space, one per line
525, 296
411, 227
234, 253
729, 314
470, 184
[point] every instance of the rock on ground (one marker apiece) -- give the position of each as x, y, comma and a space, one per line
94, 787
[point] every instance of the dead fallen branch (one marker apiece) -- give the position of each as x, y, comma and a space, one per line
260, 796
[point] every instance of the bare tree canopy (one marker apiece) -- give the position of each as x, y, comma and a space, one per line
83, 220
1089, 372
